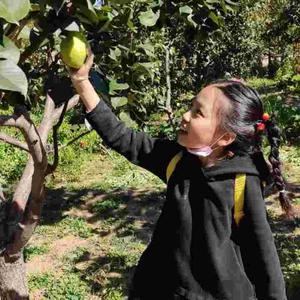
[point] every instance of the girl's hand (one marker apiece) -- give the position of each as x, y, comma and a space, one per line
82, 74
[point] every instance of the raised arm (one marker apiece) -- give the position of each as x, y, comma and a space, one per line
257, 246
150, 153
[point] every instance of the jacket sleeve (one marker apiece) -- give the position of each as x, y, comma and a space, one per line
153, 154
257, 246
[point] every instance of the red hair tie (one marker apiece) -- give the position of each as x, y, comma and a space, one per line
266, 117
260, 125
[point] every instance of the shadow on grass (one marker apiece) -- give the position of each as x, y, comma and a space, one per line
120, 208
107, 274
129, 214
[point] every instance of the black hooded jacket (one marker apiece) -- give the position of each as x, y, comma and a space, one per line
197, 252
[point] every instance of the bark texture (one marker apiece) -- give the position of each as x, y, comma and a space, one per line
13, 285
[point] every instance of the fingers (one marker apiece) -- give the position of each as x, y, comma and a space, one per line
70, 70
90, 58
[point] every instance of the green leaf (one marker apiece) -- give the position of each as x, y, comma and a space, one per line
14, 10
25, 33
73, 26
148, 48
9, 50
118, 101
127, 120
185, 10
232, 3
296, 78
130, 23
212, 1
12, 78
149, 18
120, 1
114, 54
214, 17
88, 14
115, 86
189, 18
145, 68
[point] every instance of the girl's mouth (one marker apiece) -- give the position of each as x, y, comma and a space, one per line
182, 130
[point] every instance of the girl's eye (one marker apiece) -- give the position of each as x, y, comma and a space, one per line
198, 112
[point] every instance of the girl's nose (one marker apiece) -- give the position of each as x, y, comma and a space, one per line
187, 116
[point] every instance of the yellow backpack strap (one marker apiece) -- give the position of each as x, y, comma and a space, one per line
172, 165
239, 197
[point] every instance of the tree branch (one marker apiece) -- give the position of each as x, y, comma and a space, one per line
8, 120
13, 141
34, 173
38, 163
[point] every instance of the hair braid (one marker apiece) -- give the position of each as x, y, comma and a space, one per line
273, 135
242, 116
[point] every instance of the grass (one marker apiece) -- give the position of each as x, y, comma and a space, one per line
32, 251
68, 286
107, 205
68, 225
288, 247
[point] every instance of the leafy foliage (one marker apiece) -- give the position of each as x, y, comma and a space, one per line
129, 38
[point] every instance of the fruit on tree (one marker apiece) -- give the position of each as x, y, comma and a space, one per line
73, 49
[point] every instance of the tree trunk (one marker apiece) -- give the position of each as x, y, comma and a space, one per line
13, 284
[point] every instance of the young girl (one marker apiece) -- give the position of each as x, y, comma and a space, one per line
202, 247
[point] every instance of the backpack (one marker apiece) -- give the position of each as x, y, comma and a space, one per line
239, 188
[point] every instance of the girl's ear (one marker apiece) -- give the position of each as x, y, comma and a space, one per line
227, 139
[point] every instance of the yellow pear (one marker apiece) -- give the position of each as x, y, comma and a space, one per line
73, 49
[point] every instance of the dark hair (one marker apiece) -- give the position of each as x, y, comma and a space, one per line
245, 110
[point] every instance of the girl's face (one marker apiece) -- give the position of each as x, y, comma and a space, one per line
199, 125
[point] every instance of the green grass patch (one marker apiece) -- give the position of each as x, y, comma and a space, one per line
68, 286
76, 226
75, 255
126, 250
31, 251
257, 82
69, 225
124, 175
108, 204
289, 253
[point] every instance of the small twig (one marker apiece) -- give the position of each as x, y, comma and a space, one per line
74, 139
51, 168
168, 77
2, 197
106, 151
170, 114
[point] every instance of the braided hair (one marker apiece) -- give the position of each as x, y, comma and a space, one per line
243, 116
